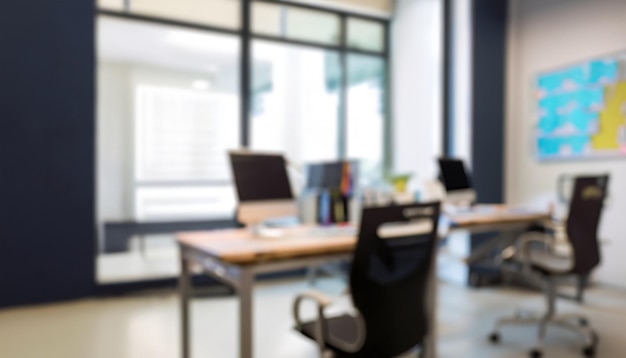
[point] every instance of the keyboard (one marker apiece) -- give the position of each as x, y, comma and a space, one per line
295, 233
332, 231
473, 210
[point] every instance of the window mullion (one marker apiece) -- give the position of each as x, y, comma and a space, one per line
245, 68
343, 96
388, 114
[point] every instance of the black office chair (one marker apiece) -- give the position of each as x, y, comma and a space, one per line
557, 228
548, 267
389, 281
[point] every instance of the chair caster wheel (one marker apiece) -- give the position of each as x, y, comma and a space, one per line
583, 322
589, 352
535, 353
474, 280
494, 338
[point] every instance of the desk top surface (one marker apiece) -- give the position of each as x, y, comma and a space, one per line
239, 246
496, 214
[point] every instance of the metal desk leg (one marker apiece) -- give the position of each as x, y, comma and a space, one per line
246, 287
184, 288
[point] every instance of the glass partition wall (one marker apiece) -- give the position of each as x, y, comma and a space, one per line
181, 82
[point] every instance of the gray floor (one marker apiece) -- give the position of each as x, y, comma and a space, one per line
147, 325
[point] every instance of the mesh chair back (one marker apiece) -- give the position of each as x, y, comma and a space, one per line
584, 219
389, 276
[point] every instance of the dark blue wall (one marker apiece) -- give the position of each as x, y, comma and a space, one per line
47, 225
488, 95
489, 24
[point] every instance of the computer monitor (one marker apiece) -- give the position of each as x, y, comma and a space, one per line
329, 192
459, 191
330, 175
263, 187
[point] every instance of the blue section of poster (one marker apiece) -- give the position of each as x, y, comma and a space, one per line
603, 72
569, 105
549, 147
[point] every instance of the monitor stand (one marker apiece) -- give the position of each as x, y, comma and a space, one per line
460, 201
457, 209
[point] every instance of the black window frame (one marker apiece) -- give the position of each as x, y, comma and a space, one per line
246, 36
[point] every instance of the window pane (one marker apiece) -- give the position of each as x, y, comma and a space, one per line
177, 91
267, 19
366, 35
381, 7
111, 4
295, 101
220, 13
167, 112
366, 114
296, 24
183, 134
313, 26
181, 202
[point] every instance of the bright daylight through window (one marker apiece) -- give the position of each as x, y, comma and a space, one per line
171, 103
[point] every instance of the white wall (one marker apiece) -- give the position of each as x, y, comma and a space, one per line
416, 86
462, 74
543, 35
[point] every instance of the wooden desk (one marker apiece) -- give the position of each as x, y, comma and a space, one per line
485, 215
508, 222
239, 247
235, 257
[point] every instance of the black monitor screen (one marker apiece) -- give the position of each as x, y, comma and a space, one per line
327, 175
260, 177
454, 175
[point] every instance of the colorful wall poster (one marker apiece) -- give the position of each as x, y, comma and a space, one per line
581, 111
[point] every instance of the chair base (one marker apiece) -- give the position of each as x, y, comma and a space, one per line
571, 322
413, 353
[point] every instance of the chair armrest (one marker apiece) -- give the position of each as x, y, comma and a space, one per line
525, 240
555, 224
322, 302
319, 298
321, 333
525, 243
